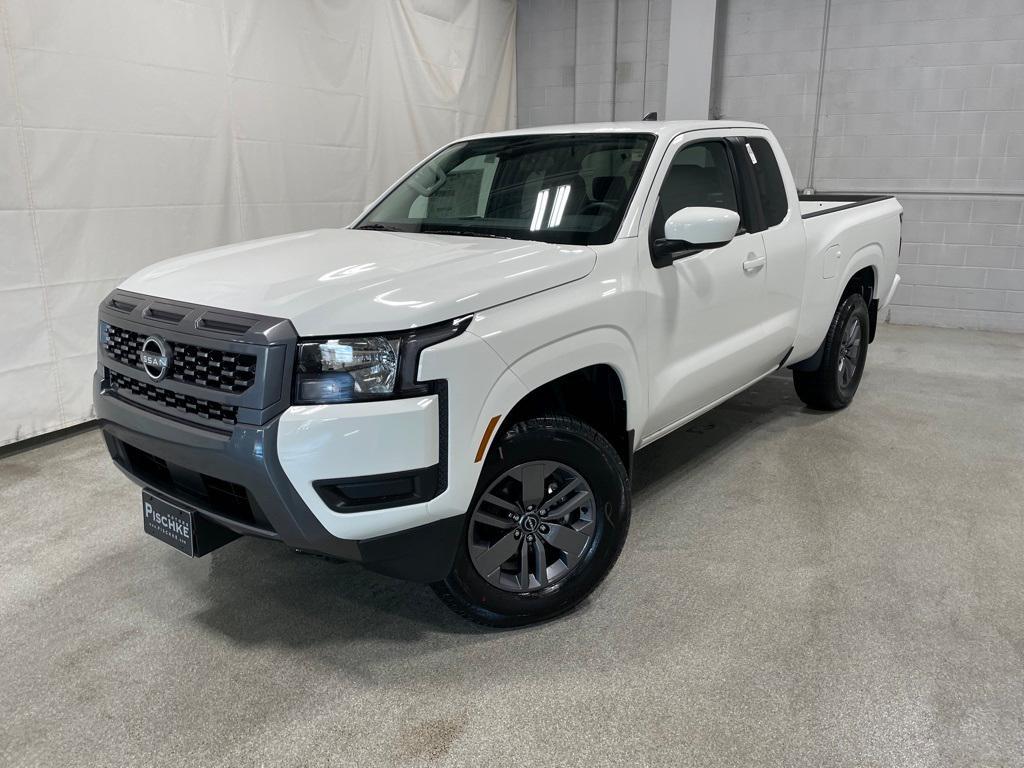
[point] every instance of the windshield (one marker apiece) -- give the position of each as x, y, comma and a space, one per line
557, 188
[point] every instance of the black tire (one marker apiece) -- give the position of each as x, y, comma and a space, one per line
542, 443
832, 386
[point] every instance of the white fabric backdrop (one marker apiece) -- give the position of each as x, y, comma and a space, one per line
134, 130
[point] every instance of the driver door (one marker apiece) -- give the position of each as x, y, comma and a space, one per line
704, 310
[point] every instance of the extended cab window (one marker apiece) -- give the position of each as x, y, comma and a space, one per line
700, 175
557, 188
771, 190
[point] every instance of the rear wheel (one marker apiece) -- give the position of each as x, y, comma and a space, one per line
547, 523
834, 384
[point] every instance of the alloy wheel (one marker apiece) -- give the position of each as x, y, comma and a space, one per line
532, 527
849, 352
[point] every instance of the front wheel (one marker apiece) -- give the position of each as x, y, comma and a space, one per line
834, 384
547, 523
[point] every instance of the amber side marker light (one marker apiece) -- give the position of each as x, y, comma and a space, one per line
486, 438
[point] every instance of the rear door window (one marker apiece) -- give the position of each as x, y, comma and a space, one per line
770, 188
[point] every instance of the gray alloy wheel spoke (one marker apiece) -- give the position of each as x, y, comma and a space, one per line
524, 566
532, 526
571, 505
540, 557
497, 554
534, 476
852, 331
849, 352
508, 506
570, 541
559, 494
498, 521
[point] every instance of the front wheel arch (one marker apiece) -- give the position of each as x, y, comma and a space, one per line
593, 395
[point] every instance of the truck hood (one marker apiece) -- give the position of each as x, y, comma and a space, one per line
342, 281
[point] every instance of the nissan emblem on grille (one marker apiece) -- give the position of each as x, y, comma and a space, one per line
156, 358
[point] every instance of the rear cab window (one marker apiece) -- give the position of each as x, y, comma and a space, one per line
771, 190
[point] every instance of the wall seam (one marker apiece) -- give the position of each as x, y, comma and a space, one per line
615, 62
236, 162
647, 48
575, 56
32, 212
717, 54
817, 101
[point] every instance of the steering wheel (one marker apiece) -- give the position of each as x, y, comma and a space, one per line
599, 205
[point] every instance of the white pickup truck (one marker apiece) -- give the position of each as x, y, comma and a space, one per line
451, 389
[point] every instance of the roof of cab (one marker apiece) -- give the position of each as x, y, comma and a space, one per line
660, 127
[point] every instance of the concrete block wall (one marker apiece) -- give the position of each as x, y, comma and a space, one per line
596, 33
545, 61
920, 98
590, 60
767, 70
641, 58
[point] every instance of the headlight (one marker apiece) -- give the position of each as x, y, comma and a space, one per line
340, 370
344, 370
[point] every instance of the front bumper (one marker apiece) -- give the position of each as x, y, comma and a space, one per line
236, 479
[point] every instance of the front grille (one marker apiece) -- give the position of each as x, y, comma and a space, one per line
210, 368
186, 404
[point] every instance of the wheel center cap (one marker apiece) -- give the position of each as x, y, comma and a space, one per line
530, 523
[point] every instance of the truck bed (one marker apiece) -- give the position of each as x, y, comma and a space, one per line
819, 205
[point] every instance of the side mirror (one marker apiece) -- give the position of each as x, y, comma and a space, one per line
694, 229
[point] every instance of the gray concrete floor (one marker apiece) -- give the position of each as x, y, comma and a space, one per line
797, 589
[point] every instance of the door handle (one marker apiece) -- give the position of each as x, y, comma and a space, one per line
753, 262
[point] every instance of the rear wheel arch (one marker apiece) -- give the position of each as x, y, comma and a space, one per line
832, 384
865, 282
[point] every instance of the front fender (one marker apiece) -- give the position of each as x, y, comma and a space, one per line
480, 385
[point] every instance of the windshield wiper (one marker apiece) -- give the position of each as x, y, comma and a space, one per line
433, 231
379, 227
466, 232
